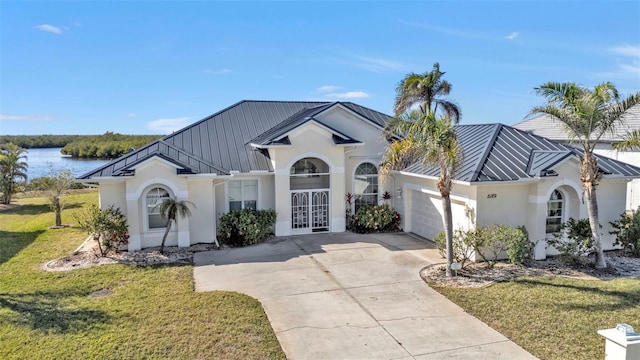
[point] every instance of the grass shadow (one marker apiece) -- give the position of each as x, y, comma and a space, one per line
29, 209
50, 312
623, 299
12, 243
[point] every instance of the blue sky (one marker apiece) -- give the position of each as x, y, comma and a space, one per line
150, 67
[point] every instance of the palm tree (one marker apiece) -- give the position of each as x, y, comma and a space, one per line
587, 115
432, 141
170, 209
13, 168
630, 141
426, 90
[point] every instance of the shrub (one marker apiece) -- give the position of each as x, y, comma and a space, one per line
375, 218
488, 242
574, 239
627, 232
108, 227
462, 251
246, 227
519, 247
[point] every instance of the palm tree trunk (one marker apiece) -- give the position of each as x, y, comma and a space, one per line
448, 230
58, 217
164, 238
592, 209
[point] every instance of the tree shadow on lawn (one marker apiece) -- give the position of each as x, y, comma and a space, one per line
12, 243
623, 299
53, 312
33, 209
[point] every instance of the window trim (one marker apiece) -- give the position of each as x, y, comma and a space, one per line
353, 187
259, 193
145, 208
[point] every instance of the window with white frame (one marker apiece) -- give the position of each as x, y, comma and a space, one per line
155, 197
366, 185
243, 194
555, 207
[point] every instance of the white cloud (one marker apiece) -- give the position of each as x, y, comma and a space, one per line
349, 95
450, 31
132, 115
512, 36
626, 50
7, 117
49, 28
218, 72
328, 88
169, 125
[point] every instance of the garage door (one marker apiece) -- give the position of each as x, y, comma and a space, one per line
425, 213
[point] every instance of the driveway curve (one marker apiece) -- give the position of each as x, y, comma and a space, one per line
350, 296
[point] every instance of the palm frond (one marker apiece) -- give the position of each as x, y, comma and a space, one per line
630, 142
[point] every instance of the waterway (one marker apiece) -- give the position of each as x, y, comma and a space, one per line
40, 160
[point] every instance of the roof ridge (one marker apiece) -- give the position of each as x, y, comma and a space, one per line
487, 151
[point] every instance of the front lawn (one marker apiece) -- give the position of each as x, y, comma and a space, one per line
148, 312
553, 317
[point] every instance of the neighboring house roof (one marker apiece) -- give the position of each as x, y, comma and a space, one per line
221, 143
546, 126
497, 152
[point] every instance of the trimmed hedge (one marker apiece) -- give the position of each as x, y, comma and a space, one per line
246, 227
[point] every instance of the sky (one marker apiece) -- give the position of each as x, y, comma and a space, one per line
152, 67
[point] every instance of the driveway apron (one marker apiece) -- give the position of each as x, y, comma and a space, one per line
350, 296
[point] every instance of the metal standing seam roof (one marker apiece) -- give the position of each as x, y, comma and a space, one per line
546, 126
497, 152
221, 142
188, 163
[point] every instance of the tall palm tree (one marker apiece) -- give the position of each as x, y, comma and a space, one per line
13, 168
587, 115
433, 141
426, 90
170, 209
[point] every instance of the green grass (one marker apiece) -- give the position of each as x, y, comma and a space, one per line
152, 312
554, 318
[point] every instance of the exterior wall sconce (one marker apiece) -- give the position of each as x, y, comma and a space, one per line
399, 193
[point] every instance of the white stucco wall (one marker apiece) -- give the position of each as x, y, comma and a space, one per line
113, 193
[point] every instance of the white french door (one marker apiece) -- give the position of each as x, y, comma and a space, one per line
309, 211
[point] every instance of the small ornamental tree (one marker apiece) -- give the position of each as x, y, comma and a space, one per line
56, 185
108, 227
170, 209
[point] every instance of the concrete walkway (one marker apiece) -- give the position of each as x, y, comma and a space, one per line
349, 296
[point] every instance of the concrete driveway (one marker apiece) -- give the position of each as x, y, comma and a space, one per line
350, 296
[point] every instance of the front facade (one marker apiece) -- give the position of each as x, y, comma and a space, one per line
303, 158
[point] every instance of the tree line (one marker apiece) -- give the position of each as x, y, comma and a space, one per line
106, 146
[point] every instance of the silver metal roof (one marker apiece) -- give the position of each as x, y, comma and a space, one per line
497, 152
220, 143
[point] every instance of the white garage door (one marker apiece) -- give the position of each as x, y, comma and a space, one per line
425, 213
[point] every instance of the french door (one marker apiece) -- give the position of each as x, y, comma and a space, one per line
309, 211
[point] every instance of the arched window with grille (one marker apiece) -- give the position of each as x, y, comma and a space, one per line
555, 212
365, 185
154, 198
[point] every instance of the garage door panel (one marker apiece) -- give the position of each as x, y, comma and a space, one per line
426, 214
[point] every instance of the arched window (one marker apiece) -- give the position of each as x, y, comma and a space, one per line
154, 198
366, 185
555, 208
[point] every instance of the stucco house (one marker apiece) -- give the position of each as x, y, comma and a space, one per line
545, 126
302, 158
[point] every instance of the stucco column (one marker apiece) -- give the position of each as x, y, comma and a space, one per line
536, 226
282, 196
133, 220
337, 202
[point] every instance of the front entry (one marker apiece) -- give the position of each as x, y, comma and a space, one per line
309, 185
309, 211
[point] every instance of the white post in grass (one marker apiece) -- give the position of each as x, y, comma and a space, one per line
622, 343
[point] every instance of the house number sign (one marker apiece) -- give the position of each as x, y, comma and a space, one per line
492, 196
